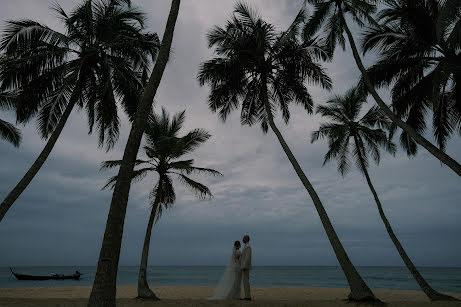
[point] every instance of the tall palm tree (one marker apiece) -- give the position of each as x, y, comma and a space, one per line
265, 70
97, 62
104, 285
163, 150
369, 138
332, 14
8, 132
418, 46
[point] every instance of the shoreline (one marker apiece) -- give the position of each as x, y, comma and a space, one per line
197, 296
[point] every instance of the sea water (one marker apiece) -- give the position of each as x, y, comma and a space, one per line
446, 279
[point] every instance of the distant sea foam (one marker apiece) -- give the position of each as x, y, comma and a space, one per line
441, 278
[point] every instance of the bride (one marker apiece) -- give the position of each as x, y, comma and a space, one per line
229, 286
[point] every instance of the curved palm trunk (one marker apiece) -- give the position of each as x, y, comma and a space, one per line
33, 170
439, 154
431, 293
143, 287
359, 289
104, 286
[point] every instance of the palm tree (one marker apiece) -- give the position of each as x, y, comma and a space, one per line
163, 150
8, 132
332, 14
265, 70
368, 136
418, 46
104, 285
99, 61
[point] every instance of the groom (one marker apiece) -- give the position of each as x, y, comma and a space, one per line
246, 267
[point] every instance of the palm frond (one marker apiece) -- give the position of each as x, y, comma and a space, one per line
114, 163
293, 30
317, 19
51, 111
407, 142
177, 122
10, 133
165, 191
19, 36
442, 123
332, 111
187, 167
248, 15
136, 175
328, 130
200, 190
204, 170
141, 173
361, 159
183, 165
334, 30
449, 19
7, 101
110, 183
376, 118
252, 104
190, 142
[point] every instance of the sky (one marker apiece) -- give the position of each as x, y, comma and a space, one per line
60, 218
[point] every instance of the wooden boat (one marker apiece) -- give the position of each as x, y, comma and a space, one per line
75, 276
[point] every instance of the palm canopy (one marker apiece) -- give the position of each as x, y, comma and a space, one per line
253, 60
164, 149
418, 44
330, 14
368, 131
101, 59
8, 132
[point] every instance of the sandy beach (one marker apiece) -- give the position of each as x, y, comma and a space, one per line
197, 296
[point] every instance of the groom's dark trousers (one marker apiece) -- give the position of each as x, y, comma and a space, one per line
246, 283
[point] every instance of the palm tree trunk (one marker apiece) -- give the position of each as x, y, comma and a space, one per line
104, 286
33, 170
431, 293
439, 154
359, 289
144, 291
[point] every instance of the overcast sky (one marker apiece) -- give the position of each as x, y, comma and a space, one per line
60, 218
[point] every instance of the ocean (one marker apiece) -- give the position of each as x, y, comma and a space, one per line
444, 279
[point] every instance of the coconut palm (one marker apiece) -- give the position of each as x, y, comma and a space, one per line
333, 14
98, 62
369, 137
163, 150
104, 285
8, 132
264, 70
418, 46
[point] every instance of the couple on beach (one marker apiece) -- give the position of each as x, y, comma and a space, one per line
237, 270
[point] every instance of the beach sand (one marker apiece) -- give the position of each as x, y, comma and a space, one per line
196, 296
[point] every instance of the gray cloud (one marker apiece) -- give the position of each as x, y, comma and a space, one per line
60, 219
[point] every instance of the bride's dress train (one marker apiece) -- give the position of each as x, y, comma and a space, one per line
229, 287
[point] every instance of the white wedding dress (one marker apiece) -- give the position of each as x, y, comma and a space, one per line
229, 285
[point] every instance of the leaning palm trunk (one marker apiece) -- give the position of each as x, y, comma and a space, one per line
33, 170
104, 286
427, 289
143, 287
439, 154
359, 289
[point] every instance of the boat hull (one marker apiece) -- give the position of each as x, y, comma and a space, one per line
49, 277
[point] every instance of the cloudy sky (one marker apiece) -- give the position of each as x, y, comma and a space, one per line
60, 218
